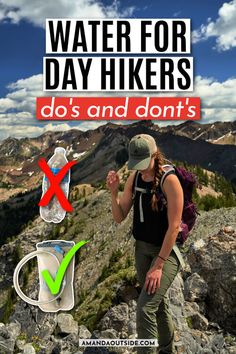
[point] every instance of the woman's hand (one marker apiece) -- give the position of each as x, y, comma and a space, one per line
153, 279
113, 181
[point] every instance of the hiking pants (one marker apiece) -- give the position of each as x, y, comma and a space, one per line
153, 318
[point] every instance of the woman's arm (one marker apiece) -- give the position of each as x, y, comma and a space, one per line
175, 201
120, 205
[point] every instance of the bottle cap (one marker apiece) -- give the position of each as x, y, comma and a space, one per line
60, 150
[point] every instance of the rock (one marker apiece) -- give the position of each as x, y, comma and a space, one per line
195, 288
132, 326
202, 308
127, 293
175, 292
198, 321
108, 333
95, 334
216, 264
29, 349
123, 335
14, 328
96, 350
228, 229
66, 324
34, 321
218, 343
7, 346
4, 334
56, 349
20, 343
190, 308
176, 303
132, 305
116, 317
8, 336
83, 332
213, 325
197, 245
201, 338
70, 342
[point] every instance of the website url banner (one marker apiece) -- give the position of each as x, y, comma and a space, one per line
118, 342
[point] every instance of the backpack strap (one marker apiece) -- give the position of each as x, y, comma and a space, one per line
135, 183
169, 169
142, 190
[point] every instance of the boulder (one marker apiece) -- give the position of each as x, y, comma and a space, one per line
117, 317
83, 332
216, 265
198, 321
66, 324
29, 349
195, 288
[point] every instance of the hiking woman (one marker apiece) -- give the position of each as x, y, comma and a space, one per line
155, 229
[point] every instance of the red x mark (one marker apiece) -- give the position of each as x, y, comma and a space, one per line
55, 184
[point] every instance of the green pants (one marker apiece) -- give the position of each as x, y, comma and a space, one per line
153, 317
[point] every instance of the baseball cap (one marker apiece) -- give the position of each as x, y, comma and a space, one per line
141, 148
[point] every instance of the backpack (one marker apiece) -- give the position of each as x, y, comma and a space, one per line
188, 181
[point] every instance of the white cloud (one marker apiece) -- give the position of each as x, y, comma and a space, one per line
215, 94
211, 115
177, 14
24, 130
13, 127
2, 14
217, 100
38, 10
6, 103
223, 28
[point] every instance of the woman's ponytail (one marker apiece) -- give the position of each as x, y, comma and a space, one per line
158, 162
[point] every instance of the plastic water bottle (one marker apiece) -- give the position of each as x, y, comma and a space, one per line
53, 212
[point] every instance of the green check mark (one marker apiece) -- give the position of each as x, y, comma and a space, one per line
55, 284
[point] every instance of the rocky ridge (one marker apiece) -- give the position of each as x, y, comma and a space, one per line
203, 312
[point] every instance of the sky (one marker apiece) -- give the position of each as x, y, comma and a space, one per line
22, 38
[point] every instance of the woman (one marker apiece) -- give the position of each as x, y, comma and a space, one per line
155, 228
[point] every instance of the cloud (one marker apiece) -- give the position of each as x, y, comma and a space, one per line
17, 109
215, 94
211, 115
24, 125
177, 14
6, 103
223, 28
22, 130
38, 10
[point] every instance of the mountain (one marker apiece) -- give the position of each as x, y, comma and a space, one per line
106, 288
99, 150
217, 133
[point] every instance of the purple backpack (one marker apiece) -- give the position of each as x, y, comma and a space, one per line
188, 181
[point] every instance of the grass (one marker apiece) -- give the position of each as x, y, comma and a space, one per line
189, 322
9, 306
98, 301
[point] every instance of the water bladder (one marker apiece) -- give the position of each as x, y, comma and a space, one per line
49, 256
